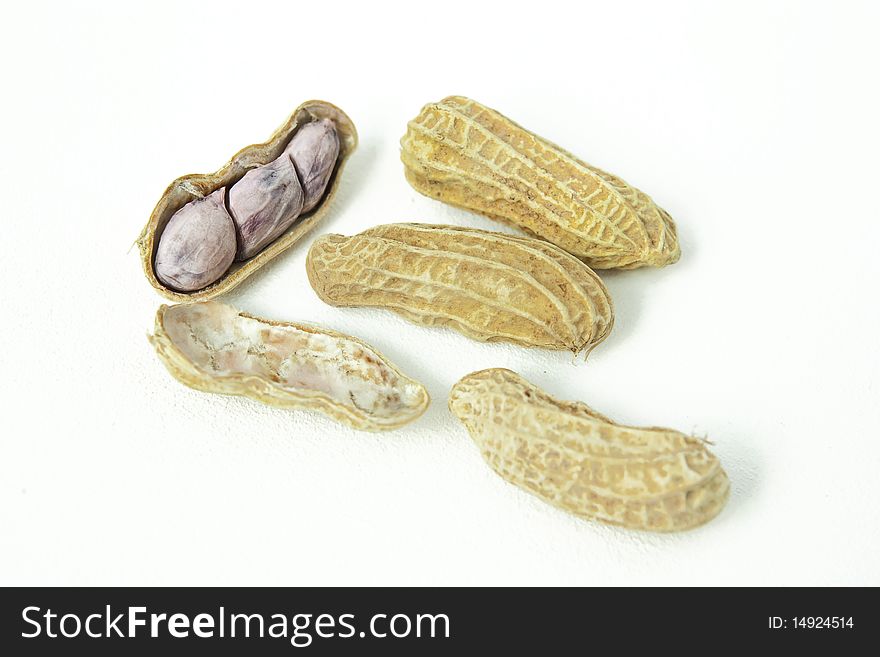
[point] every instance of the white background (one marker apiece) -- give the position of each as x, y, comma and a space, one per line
754, 124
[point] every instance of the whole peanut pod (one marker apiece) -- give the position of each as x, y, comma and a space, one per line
264, 203
470, 156
314, 150
198, 244
575, 458
488, 286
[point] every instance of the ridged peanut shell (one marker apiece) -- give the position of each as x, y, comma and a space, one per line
489, 286
213, 347
193, 186
470, 156
579, 460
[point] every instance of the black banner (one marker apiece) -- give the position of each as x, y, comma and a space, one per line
333, 621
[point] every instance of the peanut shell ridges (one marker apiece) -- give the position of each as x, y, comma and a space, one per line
579, 460
472, 157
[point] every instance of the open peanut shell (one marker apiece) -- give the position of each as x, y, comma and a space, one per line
213, 347
194, 186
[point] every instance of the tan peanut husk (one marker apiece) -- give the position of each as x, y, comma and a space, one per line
212, 347
486, 285
646, 478
193, 186
470, 156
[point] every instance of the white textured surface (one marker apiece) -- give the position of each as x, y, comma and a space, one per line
753, 124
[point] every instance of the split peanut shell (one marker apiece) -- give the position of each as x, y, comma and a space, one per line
196, 186
213, 347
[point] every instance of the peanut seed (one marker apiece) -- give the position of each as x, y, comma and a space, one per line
198, 244
262, 185
264, 203
314, 150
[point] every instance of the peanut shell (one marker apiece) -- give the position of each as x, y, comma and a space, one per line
472, 157
579, 460
489, 286
212, 347
195, 186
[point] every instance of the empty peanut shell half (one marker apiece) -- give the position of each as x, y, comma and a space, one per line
213, 347
269, 206
487, 285
577, 459
470, 156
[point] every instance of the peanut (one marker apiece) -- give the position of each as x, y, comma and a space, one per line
272, 194
488, 286
197, 245
470, 156
314, 150
264, 203
579, 460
